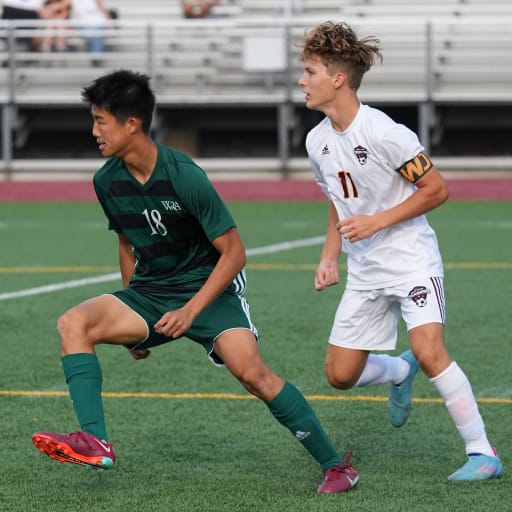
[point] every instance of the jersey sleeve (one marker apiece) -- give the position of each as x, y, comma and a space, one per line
202, 200
319, 177
403, 152
112, 224
312, 147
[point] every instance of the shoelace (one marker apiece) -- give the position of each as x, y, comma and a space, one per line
345, 463
78, 437
344, 466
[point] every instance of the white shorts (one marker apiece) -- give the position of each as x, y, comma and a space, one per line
368, 319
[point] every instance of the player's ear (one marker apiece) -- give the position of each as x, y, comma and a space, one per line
339, 79
134, 124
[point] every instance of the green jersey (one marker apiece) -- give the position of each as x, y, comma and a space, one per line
170, 220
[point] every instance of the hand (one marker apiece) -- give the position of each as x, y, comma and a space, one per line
140, 353
173, 324
327, 274
358, 227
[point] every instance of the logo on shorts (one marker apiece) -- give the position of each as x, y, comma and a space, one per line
362, 154
419, 295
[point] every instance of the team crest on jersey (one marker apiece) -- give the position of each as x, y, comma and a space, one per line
325, 150
171, 206
419, 295
362, 154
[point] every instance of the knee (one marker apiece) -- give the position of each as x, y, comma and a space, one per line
343, 366
252, 379
339, 379
433, 363
71, 327
260, 382
67, 323
427, 343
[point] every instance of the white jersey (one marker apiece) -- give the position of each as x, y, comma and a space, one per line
88, 11
368, 168
30, 5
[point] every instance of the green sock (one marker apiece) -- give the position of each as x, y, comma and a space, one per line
292, 410
83, 376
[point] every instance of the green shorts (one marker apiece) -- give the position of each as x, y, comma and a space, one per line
228, 311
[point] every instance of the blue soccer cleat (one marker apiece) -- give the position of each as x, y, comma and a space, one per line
400, 395
479, 467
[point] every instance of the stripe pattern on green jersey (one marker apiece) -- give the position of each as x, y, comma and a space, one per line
170, 220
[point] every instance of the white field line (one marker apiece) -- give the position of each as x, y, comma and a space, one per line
286, 246
75, 283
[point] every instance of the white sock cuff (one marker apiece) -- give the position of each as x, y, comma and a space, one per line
451, 368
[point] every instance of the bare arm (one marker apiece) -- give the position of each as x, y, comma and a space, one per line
431, 192
231, 262
127, 265
103, 9
327, 273
54, 9
126, 259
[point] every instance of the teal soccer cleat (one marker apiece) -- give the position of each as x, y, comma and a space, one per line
400, 395
479, 467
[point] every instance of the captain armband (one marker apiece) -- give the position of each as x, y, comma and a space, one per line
415, 168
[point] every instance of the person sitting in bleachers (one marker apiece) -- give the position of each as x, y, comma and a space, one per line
96, 18
54, 37
197, 8
24, 10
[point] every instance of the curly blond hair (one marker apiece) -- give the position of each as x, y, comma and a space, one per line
339, 48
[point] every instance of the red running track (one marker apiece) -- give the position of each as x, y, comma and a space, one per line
257, 190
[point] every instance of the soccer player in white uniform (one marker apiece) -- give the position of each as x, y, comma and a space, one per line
380, 184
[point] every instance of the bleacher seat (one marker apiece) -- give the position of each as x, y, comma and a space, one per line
439, 51
171, 9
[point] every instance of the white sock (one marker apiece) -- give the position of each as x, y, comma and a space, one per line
455, 389
381, 369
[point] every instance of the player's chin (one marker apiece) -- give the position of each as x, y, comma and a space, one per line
106, 152
311, 105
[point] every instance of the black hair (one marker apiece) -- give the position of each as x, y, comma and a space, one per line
123, 93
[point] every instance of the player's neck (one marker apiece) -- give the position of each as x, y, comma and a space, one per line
343, 115
141, 161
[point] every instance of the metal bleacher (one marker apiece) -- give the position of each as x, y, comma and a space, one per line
436, 52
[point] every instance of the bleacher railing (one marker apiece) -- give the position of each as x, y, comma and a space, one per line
254, 62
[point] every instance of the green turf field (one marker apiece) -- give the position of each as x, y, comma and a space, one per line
187, 437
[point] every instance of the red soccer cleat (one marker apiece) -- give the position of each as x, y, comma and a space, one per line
339, 478
77, 448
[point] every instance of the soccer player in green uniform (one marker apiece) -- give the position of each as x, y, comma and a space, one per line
182, 266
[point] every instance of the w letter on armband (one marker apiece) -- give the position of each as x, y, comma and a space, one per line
415, 168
